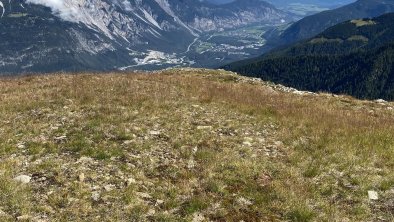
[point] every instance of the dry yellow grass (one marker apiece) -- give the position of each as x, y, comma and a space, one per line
184, 145
362, 22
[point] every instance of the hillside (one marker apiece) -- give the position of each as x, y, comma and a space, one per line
354, 57
190, 145
315, 24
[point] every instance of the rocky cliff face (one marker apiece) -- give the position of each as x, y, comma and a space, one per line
40, 35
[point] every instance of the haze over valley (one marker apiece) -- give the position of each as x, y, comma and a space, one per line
125, 35
150, 34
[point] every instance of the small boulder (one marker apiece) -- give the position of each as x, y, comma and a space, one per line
2, 213
243, 202
23, 218
144, 195
96, 196
154, 133
373, 195
204, 127
60, 139
81, 177
380, 101
128, 142
198, 217
247, 143
85, 159
191, 164
23, 179
21, 145
109, 187
151, 212
130, 181
159, 202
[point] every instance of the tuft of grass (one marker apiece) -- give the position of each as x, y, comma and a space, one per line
194, 204
300, 214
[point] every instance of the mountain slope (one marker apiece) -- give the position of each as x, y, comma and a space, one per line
355, 57
315, 24
104, 34
190, 145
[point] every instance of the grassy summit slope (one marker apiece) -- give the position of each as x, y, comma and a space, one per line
190, 145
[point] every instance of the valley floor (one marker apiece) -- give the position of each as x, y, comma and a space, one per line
190, 145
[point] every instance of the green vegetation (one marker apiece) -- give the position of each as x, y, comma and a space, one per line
203, 46
190, 145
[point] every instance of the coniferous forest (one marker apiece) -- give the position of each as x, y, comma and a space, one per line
355, 58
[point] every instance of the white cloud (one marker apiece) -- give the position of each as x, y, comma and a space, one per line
2, 6
61, 8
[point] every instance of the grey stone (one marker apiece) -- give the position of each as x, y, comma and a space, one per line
23, 179
373, 195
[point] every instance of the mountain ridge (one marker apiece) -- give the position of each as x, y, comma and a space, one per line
315, 24
353, 57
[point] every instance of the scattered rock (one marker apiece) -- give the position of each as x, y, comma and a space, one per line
243, 202
278, 144
381, 101
159, 202
85, 159
264, 180
21, 146
96, 196
128, 142
130, 181
191, 164
136, 128
144, 195
373, 195
248, 139
24, 218
204, 127
81, 177
154, 133
247, 143
48, 209
296, 92
41, 179
2, 213
198, 217
60, 139
109, 187
151, 212
23, 179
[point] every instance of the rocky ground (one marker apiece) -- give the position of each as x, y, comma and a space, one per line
190, 145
